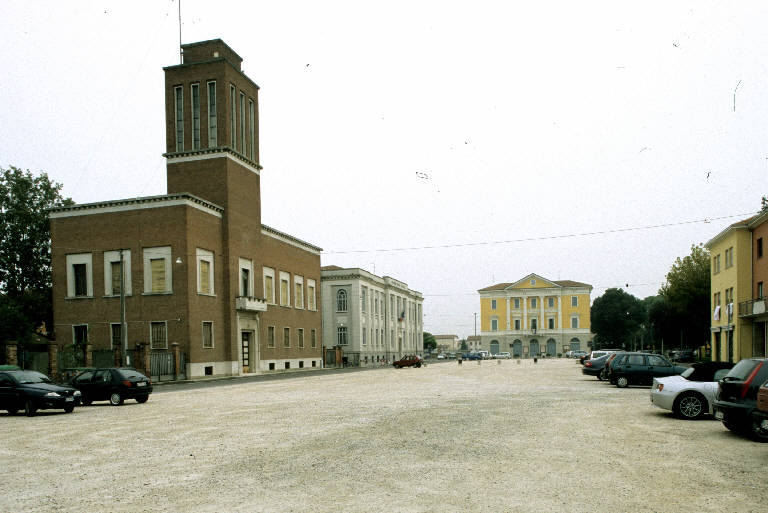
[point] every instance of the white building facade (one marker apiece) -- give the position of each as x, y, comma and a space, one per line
373, 320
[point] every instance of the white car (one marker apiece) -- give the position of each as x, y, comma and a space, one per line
503, 356
691, 394
441, 356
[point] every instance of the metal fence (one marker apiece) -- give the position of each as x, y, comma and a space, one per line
103, 358
161, 366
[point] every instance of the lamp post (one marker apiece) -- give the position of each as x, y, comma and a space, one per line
475, 323
123, 324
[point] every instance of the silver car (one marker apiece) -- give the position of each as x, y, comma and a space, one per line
691, 394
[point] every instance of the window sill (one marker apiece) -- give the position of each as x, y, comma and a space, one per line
115, 295
79, 297
205, 294
166, 293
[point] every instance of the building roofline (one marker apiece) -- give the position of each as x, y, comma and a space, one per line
268, 230
335, 272
139, 202
744, 224
211, 61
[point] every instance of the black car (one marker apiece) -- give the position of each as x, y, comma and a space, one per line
736, 397
31, 391
594, 366
113, 385
640, 369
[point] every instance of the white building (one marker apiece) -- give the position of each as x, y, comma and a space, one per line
373, 320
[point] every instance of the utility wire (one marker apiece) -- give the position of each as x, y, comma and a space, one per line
544, 237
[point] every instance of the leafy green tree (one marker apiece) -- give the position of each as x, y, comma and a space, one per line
616, 318
25, 250
464, 345
429, 341
684, 315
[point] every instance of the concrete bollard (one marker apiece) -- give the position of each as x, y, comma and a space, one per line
518, 361
459, 362
535, 359
479, 362
499, 361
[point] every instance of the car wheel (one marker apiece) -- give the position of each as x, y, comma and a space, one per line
115, 399
12, 411
622, 382
417, 365
69, 408
86, 401
736, 427
142, 398
29, 408
759, 434
599, 377
689, 406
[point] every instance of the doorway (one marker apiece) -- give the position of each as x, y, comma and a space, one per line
247, 344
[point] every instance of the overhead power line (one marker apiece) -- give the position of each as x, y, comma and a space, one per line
543, 237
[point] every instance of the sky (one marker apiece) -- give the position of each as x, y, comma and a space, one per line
450, 145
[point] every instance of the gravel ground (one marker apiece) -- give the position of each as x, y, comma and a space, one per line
476, 437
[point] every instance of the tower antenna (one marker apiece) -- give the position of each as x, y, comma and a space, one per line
181, 52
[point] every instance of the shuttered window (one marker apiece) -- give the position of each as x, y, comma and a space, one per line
301, 337
115, 268
284, 299
205, 277
81, 279
286, 337
195, 90
311, 297
157, 265
270, 336
213, 138
269, 291
207, 334
179, 104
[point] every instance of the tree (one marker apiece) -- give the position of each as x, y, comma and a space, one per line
616, 318
25, 250
685, 312
429, 341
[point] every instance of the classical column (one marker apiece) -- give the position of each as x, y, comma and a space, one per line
525, 313
542, 324
508, 315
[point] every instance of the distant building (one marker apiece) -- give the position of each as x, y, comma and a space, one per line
738, 308
535, 316
372, 320
200, 274
474, 343
447, 342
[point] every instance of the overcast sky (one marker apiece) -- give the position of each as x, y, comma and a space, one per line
510, 128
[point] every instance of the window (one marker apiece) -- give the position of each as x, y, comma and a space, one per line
157, 335
534, 323
213, 134
301, 337
233, 117
286, 337
493, 304
252, 129
312, 338
657, 361
533, 302
363, 298
760, 247
79, 279
195, 90
204, 272
269, 285
178, 95
298, 285
729, 257
115, 339
157, 270
517, 303
517, 324
636, 359
80, 335
207, 334
112, 272
311, 300
759, 290
364, 340
341, 335
242, 123
246, 277
575, 322
392, 306
716, 264
574, 300
341, 300
270, 336
285, 292
494, 325
716, 298
551, 323
551, 302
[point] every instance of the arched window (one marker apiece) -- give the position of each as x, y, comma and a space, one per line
341, 301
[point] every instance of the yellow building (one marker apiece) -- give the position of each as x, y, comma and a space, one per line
731, 283
535, 316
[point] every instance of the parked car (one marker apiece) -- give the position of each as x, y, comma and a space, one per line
409, 360
578, 354
594, 366
31, 391
503, 355
113, 384
606, 372
736, 397
602, 352
441, 356
640, 369
691, 394
682, 355
473, 356
760, 415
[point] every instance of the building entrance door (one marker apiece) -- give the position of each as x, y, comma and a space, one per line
535, 349
247, 337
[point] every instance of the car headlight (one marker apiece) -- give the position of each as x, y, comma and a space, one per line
52, 394
77, 393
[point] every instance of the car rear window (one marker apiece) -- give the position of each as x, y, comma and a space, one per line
129, 373
742, 370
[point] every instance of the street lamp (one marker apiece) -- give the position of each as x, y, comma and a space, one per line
475, 323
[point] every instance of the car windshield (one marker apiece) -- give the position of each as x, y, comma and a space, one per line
31, 377
687, 373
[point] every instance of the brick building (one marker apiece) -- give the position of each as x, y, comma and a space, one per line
199, 268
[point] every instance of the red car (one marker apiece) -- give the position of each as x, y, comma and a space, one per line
409, 360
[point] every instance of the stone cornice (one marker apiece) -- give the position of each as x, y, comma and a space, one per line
290, 239
213, 153
168, 200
